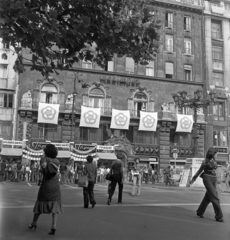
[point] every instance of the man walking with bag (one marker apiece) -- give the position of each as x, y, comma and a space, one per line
91, 171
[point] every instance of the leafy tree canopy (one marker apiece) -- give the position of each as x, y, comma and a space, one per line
59, 33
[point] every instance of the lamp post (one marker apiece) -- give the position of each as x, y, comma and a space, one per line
182, 100
72, 115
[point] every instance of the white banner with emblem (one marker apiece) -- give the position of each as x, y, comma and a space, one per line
148, 121
120, 119
90, 117
48, 113
184, 123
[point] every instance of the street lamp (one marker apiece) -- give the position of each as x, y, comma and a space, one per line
182, 100
72, 115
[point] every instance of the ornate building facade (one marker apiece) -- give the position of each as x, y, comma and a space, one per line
126, 86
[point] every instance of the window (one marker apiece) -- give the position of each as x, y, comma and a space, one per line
87, 65
6, 100
220, 138
5, 129
46, 131
129, 65
110, 66
142, 137
188, 72
140, 103
97, 99
48, 94
3, 71
5, 45
216, 30
187, 46
180, 138
218, 79
169, 70
169, 20
217, 58
219, 111
150, 69
187, 23
169, 43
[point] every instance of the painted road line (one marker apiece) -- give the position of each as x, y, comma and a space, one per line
29, 184
71, 186
119, 205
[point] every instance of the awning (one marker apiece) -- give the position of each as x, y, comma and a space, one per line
106, 156
14, 152
63, 154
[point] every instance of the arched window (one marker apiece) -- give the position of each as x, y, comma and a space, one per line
97, 98
140, 101
49, 93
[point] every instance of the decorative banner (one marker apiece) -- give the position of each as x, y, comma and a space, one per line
48, 113
90, 117
120, 119
148, 121
184, 123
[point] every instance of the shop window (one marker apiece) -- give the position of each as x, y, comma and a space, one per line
6, 100
180, 138
216, 29
49, 93
220, 138
142, 137
5, 129
169, 43
46, 131
219, 111
188, 72
187, 46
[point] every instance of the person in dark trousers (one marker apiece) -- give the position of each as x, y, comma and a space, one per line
90, 169
117, 176
207, 171
49, 194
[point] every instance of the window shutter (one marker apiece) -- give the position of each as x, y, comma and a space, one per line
85, 100
107, 106
169, 68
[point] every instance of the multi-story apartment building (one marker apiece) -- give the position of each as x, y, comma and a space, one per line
8, 92
125, 85
217, 45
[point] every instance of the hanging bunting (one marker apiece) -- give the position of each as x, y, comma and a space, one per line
120, 119
148, 121
90, 117
184, 123
48, 113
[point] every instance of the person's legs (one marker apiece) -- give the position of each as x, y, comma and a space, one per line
86, 197
54, 221
213, 196
201, 209
91, 193
120, 185
139, 185
112, 189
134, 186
35, 218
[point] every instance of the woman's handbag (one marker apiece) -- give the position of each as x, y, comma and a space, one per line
108, 176
83, 180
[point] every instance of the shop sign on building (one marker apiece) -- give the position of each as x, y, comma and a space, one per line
221, 149
146, 150
84, 147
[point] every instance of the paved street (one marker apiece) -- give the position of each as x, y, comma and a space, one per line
159, 213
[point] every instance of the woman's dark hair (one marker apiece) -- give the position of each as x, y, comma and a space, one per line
89, 159
211, 153
50, 151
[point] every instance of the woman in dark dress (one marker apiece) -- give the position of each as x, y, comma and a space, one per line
49, 195
207, 171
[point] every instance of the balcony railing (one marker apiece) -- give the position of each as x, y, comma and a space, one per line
217, 64
216, 35
188, 51
169, 24
169, 48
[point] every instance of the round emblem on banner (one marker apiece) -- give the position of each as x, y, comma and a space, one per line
90, 117
148, 121
48, 113
120, 119
185, 123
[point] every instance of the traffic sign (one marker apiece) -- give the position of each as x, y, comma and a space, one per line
175, 150
175, 155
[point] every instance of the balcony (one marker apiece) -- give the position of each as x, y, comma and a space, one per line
188, 51
168, 48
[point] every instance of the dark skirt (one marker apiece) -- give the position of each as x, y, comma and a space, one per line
49, 197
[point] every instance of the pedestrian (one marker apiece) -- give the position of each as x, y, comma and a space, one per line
167, 175
227, 177
14, 172
19, 171
117, 177
137, 175
91, 171
49, 194
207, 171
28, 171
3, 170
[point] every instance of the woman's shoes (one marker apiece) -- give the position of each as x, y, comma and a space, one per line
108, 202
219, 219
52, 231
199, 215
33, 225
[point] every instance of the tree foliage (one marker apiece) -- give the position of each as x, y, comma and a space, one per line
59, 33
